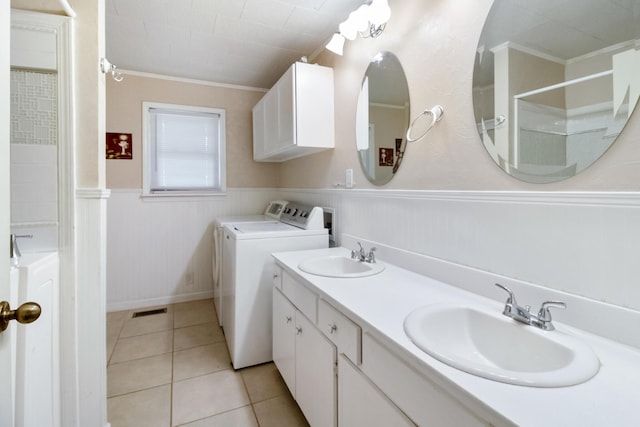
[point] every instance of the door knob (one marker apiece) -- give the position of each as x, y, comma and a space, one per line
26, 313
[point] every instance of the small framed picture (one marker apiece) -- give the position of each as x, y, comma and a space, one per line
385, 157
119, 146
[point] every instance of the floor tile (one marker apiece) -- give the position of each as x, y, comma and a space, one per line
112, 339
140, 346
197, 315
263, 382
197, 335
174, 369
147, 324
280, 411
207, 395
139, 374
117, 317
241, 417
200, 361
191, 305
146, 408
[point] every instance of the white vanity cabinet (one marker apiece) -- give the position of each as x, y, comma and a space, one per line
296, 117
344, 373
423, 400
305, 358
309, 335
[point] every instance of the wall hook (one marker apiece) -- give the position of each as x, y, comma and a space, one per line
109, 68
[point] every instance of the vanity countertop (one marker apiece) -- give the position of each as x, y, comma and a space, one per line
380, 303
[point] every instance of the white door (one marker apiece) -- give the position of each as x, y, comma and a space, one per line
6, 400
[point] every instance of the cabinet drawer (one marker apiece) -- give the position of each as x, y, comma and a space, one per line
300, 296
345, 334
277, 276
361, 403
422, 400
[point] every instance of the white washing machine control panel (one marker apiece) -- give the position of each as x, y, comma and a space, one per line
303, 216
275, 208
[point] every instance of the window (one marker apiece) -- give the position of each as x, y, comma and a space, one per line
184, 150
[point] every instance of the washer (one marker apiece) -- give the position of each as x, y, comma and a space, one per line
271, 214
247, 277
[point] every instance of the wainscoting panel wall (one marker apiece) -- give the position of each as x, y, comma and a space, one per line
159, 249
584, 244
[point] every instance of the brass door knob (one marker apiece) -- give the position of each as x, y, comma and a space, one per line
26, 313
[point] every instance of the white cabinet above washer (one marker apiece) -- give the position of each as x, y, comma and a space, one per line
296, 117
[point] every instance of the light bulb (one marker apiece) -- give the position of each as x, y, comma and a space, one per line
348, 30
360, 18
336, 44
379, 12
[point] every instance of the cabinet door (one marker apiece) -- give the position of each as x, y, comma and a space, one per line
284, 338
316, 386
286, 111
270, 122
259, 140
361, 403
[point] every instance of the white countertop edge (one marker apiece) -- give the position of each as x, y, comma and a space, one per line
606, 399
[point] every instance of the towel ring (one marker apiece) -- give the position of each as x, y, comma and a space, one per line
436, 115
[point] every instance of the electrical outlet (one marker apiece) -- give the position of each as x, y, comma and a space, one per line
348, 179
189, 281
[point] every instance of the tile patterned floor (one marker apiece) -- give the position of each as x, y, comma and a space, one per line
173, 369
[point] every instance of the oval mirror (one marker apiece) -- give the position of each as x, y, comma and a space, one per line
555, 82
382, 118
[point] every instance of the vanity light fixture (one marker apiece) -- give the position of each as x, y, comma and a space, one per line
369, 20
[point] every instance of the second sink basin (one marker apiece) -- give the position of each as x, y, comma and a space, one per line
340, 266
493, 346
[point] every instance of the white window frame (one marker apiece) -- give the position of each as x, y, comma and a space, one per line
149, 145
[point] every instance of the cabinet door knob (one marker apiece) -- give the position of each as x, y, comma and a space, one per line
289, 319
332, 328
299, 330
275, 275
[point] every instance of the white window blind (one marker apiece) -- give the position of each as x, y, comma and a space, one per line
185, 149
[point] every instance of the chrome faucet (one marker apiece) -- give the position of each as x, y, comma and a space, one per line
522, 314
14, 250
362, 255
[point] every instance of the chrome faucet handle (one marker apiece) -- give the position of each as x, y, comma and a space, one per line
511, 308
359, 255
371, 258
14, 250
544, 315
512, 298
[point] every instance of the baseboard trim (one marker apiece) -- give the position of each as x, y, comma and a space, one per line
152, 302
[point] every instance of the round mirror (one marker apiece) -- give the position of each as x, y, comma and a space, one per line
555, 82
382, 118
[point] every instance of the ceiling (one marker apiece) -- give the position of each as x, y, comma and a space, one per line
561, 29
239, 42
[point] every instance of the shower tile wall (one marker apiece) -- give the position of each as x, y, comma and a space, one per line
34, 176
34, 109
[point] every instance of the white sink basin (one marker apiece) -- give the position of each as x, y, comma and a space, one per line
340, 266
496, 347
